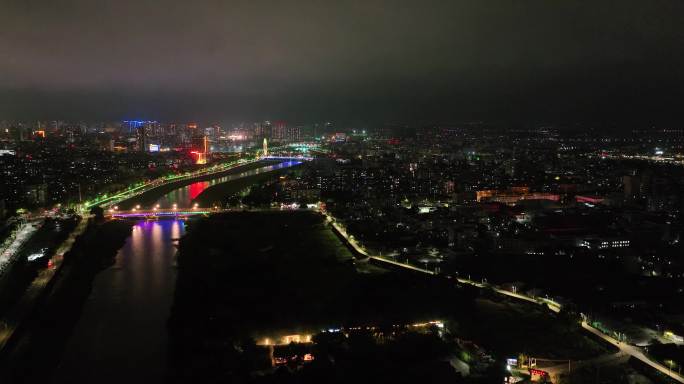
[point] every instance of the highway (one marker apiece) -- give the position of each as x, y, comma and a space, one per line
13, 318
624, 348
12, 245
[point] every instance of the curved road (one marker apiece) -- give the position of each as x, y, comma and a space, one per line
627, 349
635, 352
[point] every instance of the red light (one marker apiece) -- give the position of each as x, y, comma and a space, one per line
537, 372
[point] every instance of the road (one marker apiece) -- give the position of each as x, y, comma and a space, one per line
358, 248
13, 318
635, 352
626, 349
13, 245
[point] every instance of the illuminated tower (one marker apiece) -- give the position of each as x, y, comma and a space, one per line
265, 147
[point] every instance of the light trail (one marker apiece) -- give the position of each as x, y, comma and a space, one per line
11, 320
13, 245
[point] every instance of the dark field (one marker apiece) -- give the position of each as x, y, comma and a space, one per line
298, 277
244, 275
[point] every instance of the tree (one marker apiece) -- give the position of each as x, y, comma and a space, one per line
98, 212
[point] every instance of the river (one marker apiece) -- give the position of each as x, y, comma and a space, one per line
121, 334
183, 197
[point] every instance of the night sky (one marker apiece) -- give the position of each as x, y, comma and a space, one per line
362, 60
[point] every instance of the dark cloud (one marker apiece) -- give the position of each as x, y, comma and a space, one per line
350, 60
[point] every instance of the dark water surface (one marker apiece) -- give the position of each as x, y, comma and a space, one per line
121, 335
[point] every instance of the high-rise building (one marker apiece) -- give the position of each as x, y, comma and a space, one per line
216, 131
131, 126
279, 131
141, 137
282, 132
262, 130
293, 133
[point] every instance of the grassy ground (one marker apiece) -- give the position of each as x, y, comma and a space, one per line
513, 327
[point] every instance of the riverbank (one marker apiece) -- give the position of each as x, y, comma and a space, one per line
120, 334
218, 194
149, 197
39, 340
21, 273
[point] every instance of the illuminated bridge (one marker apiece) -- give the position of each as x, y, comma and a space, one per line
299, 157
157, 213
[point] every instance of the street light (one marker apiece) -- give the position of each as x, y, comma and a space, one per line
669, 364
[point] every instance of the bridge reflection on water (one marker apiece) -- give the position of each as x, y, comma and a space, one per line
182, 198
121, 335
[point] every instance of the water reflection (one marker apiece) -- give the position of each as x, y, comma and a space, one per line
122, 331
183, 197
121, 335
